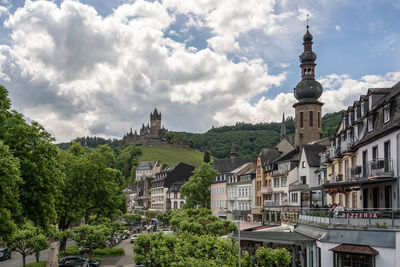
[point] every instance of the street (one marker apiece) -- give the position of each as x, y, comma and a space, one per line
16, 258
124, 261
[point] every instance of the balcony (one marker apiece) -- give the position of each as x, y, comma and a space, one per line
331, 152
347, 146
279, 172
266, 190
373, 169
337, 153
268, 203
299, 187
325, 157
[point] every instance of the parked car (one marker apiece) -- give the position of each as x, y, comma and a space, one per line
5, 254
78, 261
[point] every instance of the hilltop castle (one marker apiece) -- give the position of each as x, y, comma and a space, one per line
150, 134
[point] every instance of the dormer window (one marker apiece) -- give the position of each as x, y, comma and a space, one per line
362, 108
370, 102
370, 124
386, 113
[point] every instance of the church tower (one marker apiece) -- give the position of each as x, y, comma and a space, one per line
155, 122
307, 92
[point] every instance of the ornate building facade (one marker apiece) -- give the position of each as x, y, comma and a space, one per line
150, 134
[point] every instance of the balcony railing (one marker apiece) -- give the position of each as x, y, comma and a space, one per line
266, 190
376, 168
325, 157
268, 203
347, 145
279, 172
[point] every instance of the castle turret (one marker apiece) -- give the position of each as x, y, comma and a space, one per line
155, 121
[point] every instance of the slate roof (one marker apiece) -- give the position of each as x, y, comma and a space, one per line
313, 154
176, 187
268, 155
380, 128
227, 165
293, 155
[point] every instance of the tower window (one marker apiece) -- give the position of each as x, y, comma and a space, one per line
311, 118
301, 119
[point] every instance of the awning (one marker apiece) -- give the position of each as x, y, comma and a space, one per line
290, 238
355, 183
355, 249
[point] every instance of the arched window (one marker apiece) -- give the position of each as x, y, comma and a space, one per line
181, 206
175, 205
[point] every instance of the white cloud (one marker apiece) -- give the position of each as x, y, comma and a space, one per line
78, 73
340, 91
337, 27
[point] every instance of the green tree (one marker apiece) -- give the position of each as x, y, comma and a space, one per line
39, 169
273, 257
170, 136
10, 208
90, 236
184, 250
28, 240
90, 187
207, 156
132, 218
197, 189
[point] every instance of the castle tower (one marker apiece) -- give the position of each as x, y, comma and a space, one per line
283, 127
307, 92
155, 122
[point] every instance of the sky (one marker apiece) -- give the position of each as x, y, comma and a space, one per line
99, 67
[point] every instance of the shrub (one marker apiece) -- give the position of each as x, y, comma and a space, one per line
73, 250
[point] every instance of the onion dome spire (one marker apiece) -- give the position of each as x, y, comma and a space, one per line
308, 87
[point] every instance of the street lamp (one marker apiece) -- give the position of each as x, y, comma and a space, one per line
238, 224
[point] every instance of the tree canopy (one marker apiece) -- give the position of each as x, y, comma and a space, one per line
31, 151
197, 189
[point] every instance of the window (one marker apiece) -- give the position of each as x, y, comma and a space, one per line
341, 199
295, 197
311, 118
303, 164
386, 113
375, 153
276, 182
354, 200
301, 119
362, 109
370, 124
303, 179
283, 181
352, 259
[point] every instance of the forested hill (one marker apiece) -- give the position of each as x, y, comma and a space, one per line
248, 138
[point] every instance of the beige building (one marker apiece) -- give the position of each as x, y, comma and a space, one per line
218, 195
